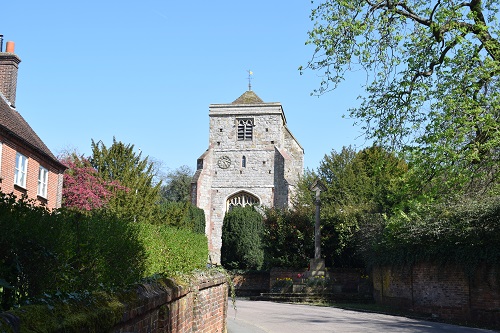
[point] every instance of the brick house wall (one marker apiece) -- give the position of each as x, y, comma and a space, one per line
7, 172
17, 136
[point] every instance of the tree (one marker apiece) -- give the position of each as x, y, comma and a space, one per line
120, 163
433, 92
83, 189
242, 232
359, 184
178, 184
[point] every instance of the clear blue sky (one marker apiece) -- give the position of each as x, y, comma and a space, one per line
146, 72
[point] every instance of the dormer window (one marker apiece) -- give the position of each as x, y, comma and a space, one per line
245, 129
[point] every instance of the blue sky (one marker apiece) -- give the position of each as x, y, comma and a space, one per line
146, 71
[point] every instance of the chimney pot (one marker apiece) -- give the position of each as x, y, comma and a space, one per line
10, 47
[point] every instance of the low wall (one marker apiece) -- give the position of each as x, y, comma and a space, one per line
251, 283
444, 291
156, 307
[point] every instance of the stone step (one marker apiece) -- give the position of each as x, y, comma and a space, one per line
314, 297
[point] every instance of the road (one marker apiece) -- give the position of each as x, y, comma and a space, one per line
268, 317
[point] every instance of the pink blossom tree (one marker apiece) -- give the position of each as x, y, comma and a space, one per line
83, 188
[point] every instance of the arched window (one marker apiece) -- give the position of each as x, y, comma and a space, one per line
241, 199
243, 162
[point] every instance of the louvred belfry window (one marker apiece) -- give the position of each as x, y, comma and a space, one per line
245, 129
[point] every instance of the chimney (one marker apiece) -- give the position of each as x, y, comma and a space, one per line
8, 73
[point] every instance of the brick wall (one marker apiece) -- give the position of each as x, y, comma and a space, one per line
156, 307
7, 170
200, 308
251, 283
444, 291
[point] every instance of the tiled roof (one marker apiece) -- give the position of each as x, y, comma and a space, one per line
248, 97
13, 124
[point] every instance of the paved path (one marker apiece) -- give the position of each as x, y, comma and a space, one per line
268, 317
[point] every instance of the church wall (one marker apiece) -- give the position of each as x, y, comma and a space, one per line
268, 171
219, 197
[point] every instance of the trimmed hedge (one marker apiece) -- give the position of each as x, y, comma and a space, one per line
66, 253
172, 250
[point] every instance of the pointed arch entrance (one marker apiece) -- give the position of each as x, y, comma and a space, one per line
241, 199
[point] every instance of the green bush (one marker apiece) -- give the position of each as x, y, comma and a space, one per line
171, 250
465, 233
242, 233
184, 215
288, 238
45, 253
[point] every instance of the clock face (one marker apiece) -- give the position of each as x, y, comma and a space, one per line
224, 162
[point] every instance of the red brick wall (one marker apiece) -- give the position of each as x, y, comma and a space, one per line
200, 308
251, 283
444, 291
7, 165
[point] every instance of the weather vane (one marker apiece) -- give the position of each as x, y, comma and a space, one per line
250, 73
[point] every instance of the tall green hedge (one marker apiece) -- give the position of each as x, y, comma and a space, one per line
184, 215
64, 252
172, 250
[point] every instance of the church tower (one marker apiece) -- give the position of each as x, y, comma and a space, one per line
252, 158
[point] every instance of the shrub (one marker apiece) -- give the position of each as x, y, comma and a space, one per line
184, 215
288, 238
170, 250
46, 252
242, 239
466, 233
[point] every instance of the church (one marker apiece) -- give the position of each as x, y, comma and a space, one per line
252, 159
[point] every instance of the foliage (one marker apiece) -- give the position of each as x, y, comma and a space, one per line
433, 83
172, 250
120, 163
184, 215
242, 239
465, 233
65, 251
83, 189
288, 238
282, 285
177, 186
362, 183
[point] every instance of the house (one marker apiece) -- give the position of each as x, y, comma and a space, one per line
27, 166
252, 159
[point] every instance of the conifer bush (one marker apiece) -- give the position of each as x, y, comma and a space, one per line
242, 232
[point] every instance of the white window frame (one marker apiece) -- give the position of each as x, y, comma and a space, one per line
43, 180
21, 170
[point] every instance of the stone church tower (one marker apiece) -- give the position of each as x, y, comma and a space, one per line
252, 158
